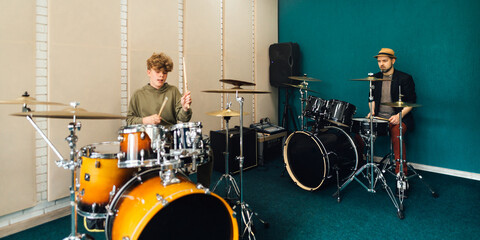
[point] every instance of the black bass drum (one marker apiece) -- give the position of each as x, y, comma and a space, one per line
311, 159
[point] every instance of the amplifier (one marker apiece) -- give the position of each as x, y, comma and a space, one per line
218, 142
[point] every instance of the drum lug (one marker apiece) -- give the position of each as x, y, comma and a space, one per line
97, 164
161, 199
120, 138
121, 155
112, 193
125, 238
201, 187
87, 177
142, 153
142, 135
94, 206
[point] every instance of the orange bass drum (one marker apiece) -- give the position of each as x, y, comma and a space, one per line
146, 209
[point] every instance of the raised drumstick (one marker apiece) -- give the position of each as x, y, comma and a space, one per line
185, 78
163, 106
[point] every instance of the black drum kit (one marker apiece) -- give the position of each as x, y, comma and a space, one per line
328, 153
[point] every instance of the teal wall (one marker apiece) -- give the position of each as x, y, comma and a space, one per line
437, 42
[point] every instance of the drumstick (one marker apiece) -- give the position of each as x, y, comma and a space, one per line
386, 119
185, 78
163, 106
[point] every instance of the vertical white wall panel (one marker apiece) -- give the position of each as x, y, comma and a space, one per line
84, 66
17, 136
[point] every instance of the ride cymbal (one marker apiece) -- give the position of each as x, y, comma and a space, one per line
300, 87
237, 83
70, 112
252, 91
304, 78
225, 113
401, 104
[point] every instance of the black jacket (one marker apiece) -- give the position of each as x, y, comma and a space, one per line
408, 91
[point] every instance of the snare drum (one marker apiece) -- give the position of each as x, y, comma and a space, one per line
362, 126
187, 140
135, 146
146, 209
100, 178
340, 112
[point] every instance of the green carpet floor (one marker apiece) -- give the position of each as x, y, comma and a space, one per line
293, 213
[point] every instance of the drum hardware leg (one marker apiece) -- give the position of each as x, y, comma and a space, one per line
229, 180
415, 173
338, 184
246, 212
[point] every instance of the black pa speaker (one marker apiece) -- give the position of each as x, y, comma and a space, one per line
218, 142
284, 62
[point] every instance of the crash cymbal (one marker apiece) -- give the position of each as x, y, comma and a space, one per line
25, 100
401, 104
252, 91
79, 113
237, 83
304, 78
225, 113
373, 79
300, 87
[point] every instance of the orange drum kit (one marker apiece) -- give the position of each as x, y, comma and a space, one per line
138, 185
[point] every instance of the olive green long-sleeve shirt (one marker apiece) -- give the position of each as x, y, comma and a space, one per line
148, 100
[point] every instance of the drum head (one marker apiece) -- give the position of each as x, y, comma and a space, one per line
303, 156
312, 159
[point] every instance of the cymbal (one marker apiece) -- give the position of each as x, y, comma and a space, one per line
79, 113
237, 83
401, 104
240, 90
304, 78
225, 113
300, 87
29, 101
373, 79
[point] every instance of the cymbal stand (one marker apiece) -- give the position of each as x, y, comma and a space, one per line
370, 167
246, 212
302, 101
229, 180
71, 164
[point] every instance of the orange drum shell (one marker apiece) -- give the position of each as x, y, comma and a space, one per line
133, 143
102, 179
140, 205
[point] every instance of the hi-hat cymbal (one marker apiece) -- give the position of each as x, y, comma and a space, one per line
29, 101
401, 104
79, 113
253, 91
237, 83
225, 113
304, 78
373, 79
300, 87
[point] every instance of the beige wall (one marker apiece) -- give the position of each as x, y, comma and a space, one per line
85, 46
17, 137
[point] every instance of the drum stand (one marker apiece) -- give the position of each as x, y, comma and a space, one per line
246, 212
229, 180
371, 169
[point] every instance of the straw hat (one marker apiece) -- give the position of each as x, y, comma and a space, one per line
387, 52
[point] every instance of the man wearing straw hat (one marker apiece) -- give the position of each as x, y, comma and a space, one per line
161, 103
388, 91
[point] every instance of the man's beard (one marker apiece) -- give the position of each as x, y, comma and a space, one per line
386, 70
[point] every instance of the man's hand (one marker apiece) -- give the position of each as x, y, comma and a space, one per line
186, 101
152, 119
